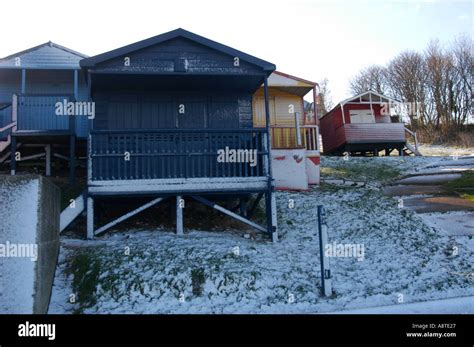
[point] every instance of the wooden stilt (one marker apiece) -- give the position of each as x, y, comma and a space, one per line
72, 158
254, 206
243, 207
47, 150
12, 155
270, 204
90, 218
179, 216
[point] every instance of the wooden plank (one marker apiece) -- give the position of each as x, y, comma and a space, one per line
70, 213
229, 213
128, 215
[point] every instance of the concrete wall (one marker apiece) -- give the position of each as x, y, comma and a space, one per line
29, 216
289, 169
47, 238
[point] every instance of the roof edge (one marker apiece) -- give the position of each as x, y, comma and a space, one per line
94, 60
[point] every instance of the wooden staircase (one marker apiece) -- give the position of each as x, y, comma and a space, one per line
410, 149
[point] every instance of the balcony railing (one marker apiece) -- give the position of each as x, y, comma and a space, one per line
287, 137
370, 133
6, 123
37, 112
176, 153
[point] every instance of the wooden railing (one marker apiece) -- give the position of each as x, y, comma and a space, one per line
6, 122
176, 153
303, 136
370, 132
38, 112
415, 138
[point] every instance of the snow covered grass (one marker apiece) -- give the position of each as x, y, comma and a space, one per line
155, 271
378, 170
443, 150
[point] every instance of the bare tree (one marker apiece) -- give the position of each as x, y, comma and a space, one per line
324, 96
463, 70
406, 76
371, 78
439, 93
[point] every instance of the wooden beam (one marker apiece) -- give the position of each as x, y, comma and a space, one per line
23, 81
227, 212
47, 150
128, 215
255, 203
70, 213
72, 157
12, 156
268, 139
90, 218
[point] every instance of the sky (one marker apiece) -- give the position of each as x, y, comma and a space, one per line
311, 39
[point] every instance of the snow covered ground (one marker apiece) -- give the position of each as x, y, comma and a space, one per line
460, 305
18, 219
155, 271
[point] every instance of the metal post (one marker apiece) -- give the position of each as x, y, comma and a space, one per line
324, 260
179, 215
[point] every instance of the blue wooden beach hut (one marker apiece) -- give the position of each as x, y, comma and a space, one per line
173, 118
32, 82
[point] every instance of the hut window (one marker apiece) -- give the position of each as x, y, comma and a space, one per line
362, 116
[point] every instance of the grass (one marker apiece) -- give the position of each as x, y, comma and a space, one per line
85, 268
360, 169
463, 186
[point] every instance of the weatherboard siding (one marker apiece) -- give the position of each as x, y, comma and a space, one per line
167, 57
44, 57
160, 110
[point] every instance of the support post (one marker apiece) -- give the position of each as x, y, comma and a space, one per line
23, 81
324, 260
274, 217
243, 207
90, 218
271, 229
270, 206
179, 215
72, 158
47, 150
13, 156
72, 137
315, 109
268, 142
297, 128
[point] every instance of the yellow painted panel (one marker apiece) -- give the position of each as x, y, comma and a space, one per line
279, 108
